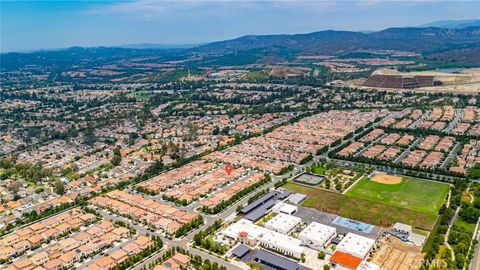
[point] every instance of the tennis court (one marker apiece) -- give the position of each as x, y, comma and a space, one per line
309, 179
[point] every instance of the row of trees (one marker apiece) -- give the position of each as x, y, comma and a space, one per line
460, 237
437, 235
185, 229
34, 215
224, 204
306, 159
415, 171
132, 260
286, 169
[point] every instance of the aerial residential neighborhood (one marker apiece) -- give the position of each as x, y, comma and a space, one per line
240, 135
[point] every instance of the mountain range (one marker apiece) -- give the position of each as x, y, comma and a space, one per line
330, 42
452, 24
447, 44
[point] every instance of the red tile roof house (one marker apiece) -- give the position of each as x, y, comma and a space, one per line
63, 228
90, 179
68, 244
40, 258
88, 217
109, 238
82, 237
50, 233
38, 227
10, 239
21, 246
105, 263
121, 232
182, 259
96, 244
25, 233
35, 240
69, 258
7, 252
177, 262
119, 256
95, 231
75, 223
106, 226
84, 250
23, 264
55, 264
131, 248
144, 241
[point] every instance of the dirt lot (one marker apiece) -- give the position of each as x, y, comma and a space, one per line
384, 178
468, 81
396, 255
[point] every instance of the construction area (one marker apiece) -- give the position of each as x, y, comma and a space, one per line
394, 254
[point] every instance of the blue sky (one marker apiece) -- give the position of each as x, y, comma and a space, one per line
31, 25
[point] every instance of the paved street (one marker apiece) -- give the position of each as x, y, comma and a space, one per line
419, 120
475, 265
455, 121
406, 152
451, 155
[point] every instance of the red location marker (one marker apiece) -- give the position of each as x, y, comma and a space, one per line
228, 169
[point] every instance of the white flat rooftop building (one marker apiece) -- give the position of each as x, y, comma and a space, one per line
244, 225
285, 208
282, 243
356, 245
283, 223
316, 235
273, 240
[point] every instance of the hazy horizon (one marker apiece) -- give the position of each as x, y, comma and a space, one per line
35, 25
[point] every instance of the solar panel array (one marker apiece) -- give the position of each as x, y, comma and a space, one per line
398, 81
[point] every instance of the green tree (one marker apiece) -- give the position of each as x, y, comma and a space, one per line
321, 255
59, 187
116, 160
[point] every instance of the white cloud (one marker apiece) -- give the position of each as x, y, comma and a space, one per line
143, 7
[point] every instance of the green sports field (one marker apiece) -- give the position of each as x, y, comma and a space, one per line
414, 194
360, 209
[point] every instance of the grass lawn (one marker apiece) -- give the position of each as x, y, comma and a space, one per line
361, 209
140, 95
31, 184
466, 197
467, 226
319, 170
414, 194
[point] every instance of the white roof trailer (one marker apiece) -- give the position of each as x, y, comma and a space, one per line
317, 235
283, 223
356, 245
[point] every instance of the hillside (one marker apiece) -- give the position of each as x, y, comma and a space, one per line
453, 45
329, 42
457, 24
